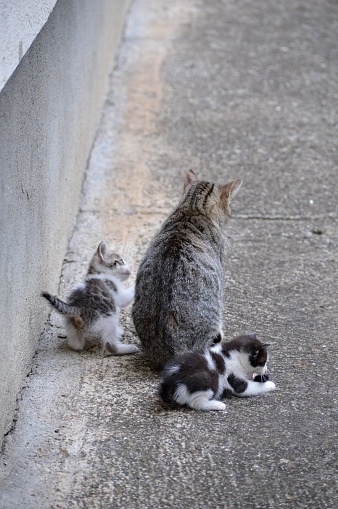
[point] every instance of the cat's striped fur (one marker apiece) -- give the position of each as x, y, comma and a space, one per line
92, 307
198, 379
179, 287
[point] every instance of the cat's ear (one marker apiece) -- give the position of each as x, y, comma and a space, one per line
101, 250
252, 335
256, 352
189, 179
231, 189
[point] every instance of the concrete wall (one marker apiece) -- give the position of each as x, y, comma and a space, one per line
20, 23
49, 113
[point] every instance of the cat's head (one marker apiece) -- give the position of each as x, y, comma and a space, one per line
254, 354
105, 261
213, 199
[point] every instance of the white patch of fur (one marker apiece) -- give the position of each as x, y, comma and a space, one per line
171, 370
200, 400
210, 361
75, 338
211, 405
105, 327
182, 395
124, 296
216, 348
257, 388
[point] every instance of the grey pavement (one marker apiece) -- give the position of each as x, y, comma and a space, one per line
228, 88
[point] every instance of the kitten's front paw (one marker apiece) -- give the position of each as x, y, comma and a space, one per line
218, 405
269, 386
261, 378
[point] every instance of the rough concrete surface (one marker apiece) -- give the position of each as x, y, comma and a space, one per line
235, 88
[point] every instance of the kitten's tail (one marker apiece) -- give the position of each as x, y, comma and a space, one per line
61, 306
166, 392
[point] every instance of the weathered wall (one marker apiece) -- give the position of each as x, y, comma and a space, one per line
49, 113
20, 23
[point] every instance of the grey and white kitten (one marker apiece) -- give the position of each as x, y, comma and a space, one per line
198, 379
92, 307
178, 302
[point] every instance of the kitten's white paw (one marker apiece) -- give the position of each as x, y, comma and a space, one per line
132, 349
122, 349
269, 386
217, 405
207, 405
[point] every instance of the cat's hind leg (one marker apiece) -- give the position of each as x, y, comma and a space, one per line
209, 404
75, 338
119, 348
200, 400
110, 331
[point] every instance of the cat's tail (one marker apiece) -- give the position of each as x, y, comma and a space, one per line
168, 384
165, 392
61, 306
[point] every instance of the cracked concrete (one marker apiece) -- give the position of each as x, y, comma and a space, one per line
229, 89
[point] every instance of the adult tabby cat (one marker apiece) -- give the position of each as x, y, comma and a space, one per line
179, 286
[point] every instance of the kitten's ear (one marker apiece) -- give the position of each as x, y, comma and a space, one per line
189, 179
101, 250
252, 335
231, 189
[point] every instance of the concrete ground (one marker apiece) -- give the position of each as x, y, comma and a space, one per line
228, 88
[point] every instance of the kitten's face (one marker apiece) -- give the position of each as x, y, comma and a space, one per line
107, 262
258, 358
254, 354
114, 264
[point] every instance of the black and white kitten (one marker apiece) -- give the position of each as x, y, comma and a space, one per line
92, 307
198, 379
